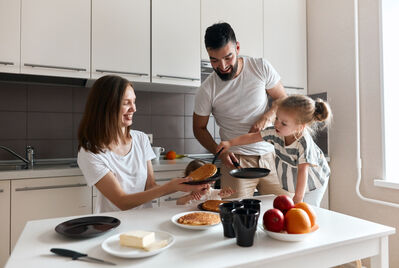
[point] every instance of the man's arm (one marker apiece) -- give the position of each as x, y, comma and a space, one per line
275, 93
202, 134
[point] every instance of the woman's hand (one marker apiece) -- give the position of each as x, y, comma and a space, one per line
177, 184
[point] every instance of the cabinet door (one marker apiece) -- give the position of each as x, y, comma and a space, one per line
34, 199
121, 39
245, 17
5, 222
55, 37
176, 42
9, 35
162, 178
285, 41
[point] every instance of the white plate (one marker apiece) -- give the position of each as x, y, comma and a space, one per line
289, 237
111, 245
193, 227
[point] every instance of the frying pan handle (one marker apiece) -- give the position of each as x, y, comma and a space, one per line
217, 155
236, 164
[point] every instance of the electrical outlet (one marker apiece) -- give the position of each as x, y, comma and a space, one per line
150, 137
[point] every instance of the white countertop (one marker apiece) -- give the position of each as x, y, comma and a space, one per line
53, 170
340, 239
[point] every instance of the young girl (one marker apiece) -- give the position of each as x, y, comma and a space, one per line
207, 193
301, 166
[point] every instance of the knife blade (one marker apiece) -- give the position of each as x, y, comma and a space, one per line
77, 255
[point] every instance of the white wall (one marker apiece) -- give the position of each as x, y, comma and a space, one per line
332, 68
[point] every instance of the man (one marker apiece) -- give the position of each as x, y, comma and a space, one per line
236, 93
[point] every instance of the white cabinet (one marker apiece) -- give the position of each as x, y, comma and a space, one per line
121, 39
163, 177
245, 17
33, 199
285, 41
176, 42
55, 37
9, 36
5, 221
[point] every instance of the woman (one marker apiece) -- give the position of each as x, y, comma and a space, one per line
114, 158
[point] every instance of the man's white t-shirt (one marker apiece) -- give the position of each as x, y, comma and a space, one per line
238, 103
130, 170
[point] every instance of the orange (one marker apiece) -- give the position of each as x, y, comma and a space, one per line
297, 221
171, 155
309, 210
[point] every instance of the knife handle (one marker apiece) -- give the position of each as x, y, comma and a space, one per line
68, 253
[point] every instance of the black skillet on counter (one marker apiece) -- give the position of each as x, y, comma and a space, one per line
248, 173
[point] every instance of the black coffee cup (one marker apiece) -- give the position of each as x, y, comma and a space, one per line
251, 203
226, 217
245, 222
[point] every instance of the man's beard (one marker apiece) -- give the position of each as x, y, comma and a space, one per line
230, 75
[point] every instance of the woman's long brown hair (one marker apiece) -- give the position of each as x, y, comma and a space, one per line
100, 125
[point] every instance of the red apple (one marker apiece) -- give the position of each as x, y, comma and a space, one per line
283, 203
273, 220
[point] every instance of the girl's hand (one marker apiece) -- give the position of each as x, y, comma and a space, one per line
225, 145
297, 199
226, 192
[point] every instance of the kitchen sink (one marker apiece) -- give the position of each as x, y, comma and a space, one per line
39, 164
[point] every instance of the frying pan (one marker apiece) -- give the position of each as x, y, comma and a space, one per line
248, 173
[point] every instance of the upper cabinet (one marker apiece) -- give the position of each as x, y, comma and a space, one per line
55, 37
285, 41
121, 39
9, 35
245, 17
176, 42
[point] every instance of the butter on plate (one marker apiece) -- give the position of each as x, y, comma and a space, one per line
137, 239
141, 239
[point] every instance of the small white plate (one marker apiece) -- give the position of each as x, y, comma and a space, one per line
193, 227
111, 245
289, 237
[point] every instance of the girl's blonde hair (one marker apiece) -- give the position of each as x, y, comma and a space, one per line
315, 114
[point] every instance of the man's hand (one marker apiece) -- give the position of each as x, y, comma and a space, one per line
226, 159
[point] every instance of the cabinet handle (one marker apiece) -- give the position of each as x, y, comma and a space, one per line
1, 190
177, 77
118, 72
167, 179
6, 63
50, 187
293, 87
55, 67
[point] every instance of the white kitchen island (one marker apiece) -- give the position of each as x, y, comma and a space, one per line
340, 239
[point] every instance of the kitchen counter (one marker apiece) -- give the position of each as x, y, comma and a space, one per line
43, 170
340, 239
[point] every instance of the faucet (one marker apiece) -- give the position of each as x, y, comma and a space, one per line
29, 154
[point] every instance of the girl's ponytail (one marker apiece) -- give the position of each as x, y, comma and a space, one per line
322, 111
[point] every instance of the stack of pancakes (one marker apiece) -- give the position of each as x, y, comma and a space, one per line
212, 205
199, 218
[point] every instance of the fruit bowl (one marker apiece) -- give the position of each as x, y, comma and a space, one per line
283, 236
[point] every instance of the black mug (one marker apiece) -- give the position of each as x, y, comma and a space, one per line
226, 216
251, 203
245, 222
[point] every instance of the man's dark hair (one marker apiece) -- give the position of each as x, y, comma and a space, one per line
218, 35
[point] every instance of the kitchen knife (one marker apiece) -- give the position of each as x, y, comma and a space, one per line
77, 255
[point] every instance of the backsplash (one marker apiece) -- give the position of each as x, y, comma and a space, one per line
47, 117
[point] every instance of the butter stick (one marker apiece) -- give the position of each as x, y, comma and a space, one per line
137, 239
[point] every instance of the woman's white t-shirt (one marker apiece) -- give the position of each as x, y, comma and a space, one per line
130, 170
